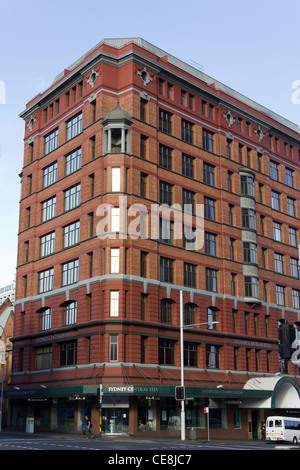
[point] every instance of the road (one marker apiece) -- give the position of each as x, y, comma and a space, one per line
120, 447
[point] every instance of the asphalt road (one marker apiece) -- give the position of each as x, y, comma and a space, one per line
120, 447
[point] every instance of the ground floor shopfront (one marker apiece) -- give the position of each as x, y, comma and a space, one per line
153, 410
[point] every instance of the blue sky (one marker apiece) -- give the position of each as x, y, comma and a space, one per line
252, 47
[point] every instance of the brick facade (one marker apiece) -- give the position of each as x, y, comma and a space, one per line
222, 140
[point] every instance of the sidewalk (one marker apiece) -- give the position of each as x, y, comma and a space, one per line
119, 437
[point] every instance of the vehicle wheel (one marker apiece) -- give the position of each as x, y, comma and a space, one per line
295, 440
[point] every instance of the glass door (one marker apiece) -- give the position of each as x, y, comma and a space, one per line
115, 420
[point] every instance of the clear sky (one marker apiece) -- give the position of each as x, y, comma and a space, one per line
252, 47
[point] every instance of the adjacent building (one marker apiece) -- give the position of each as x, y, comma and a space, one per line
145, 182
7, 292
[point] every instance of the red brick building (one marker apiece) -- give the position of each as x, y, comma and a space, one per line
125, 131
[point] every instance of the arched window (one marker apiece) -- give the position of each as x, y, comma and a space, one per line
166, 311
69, 313
189, 314
212, 316
44, 318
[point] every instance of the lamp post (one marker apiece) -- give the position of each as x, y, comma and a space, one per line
182, 326
2, 362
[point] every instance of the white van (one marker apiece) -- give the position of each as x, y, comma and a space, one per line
279, 428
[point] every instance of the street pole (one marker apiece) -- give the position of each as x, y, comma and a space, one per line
182, 360
182, 368
100, 410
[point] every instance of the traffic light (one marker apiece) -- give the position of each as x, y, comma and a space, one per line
179, 393
287, 335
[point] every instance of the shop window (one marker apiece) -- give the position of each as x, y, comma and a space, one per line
146, 414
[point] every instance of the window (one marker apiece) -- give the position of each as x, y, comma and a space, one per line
165, 193
296, 298
229, 180
228, 148
211, 280
212, 317
209, 208
144, 264
212, 356
114, 303
46, 280
170, 91
114, 260
43, 357
70, 313
45, 319
166, 313
74, 126
248, 219
47, 244
116, 179
143, 109
274, 170
275, 200
72, 197
249, 252
291, 206
233, 283
208, 174
73, 161
294, 267
166, 231
51, 142
165, 157
113, 348
190, 354
115, 219
280, 295
143, 146
188, 166
50, 174
251, 288
241, 151
247, 187
68, 353
278, 260
189, 314
183, 98
143, 185
71, 234
144, 306
48, 209
189, 271
166, 352
208, 140
165, 121
187, 131
230, 214
70, 272
188, 201
289, 177
166, 269
210, 244
292, 236
277, 231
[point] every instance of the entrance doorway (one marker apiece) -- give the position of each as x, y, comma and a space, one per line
115, 420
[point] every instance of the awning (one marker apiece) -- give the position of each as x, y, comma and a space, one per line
284, 392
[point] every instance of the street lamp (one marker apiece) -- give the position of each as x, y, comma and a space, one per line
182, 326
